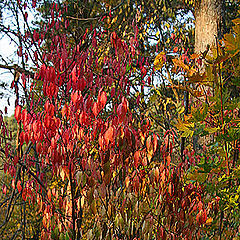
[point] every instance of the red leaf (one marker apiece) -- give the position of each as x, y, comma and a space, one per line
13, 184
100, 141
24, 115
112, 92
200, 205
18, 113
83, 118
74, 74
157, 173
102, 99
175, 49
143, 71
74, 97
34, 3
47, 121
138, 99
35, 127
24, 194
21, 138
122, 110
170, 189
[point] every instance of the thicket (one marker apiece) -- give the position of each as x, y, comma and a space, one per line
119, 132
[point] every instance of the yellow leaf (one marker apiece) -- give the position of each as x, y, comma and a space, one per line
179, 63
212, 130
114, 20
181, 126
159, 61
209, 221
236, 21
187, 132
93, 207
181, 110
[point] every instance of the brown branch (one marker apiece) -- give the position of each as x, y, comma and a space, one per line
73, 202
16, 68
84, 19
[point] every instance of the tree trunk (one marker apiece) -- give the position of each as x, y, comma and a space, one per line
207, 23
207, 30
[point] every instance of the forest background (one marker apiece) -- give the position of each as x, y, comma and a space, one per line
126, 120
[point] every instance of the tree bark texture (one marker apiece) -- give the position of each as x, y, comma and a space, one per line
207, 23
207, 30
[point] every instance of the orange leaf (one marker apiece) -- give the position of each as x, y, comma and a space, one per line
136, 158
148, 143
170, 189
49, 194
95, 109
19, 186
127, 181
65, 110
168, 159
209, 221
109, 135
194, 56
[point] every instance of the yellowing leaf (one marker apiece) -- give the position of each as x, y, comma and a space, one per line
194, 56
185, 128
188, 132
212, 130
181, 64
114, 20
209, 221
181, 110
93, 207
159, 61
197, 78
